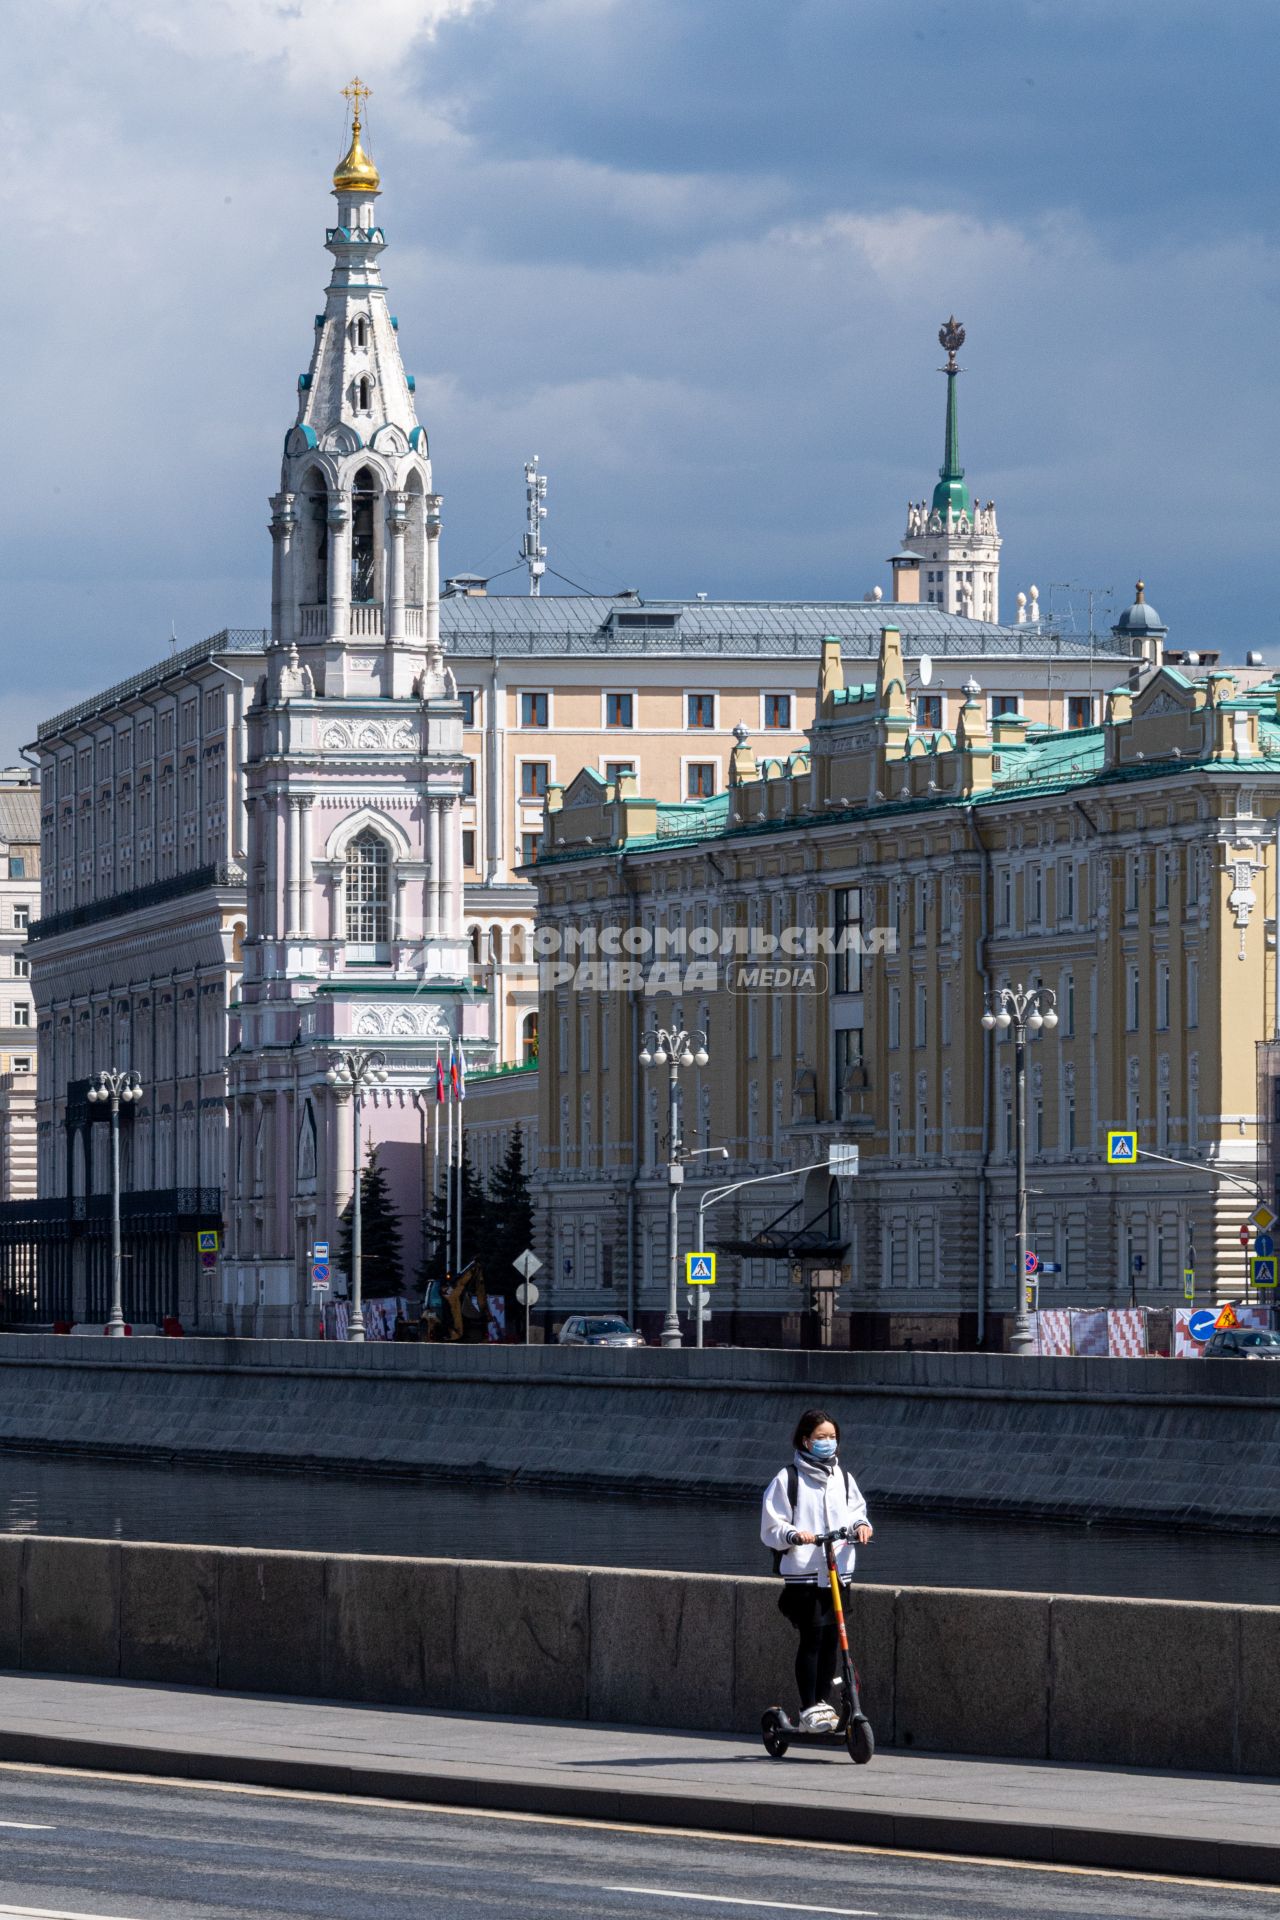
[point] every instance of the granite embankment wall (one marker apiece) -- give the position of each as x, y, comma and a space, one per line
1169, 1441
1142, 1683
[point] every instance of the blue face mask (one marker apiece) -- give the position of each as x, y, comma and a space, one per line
822, 1449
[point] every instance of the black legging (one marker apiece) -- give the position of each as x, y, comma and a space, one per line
808, 1607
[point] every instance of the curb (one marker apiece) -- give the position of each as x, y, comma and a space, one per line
888, 1827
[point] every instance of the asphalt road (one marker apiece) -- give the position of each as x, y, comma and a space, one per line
81, 1848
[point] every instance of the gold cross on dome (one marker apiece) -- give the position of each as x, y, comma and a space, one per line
356, 92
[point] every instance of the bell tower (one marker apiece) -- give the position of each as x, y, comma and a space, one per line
355, 579
354, 772
954, 537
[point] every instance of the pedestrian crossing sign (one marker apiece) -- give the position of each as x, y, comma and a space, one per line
1122, 1149
1263, 1268
207, 1240
700, 1269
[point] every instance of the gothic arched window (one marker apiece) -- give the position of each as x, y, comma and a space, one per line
368, 889
363, 496
363, 393
362, 333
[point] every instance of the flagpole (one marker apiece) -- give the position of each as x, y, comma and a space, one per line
448, 1186
458, 1216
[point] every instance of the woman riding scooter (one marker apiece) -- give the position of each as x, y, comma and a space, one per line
813, 1496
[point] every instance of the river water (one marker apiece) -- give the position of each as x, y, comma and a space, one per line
338, 1514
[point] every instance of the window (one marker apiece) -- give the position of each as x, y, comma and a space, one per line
928, 712
1193, 876
619, 710
533, 779
614, 769
534, 709
17, 866
1067, 892
22, 1063
1079, 711
361, 331
364, 395
777, 711
921, 1034
529, 1040
847, 904
468, 847
1162, 994
1193, 992
944, 1011
1133, 998
847, 1065
529, 849
21, 1014
368, 890
1004, 897
1070, 1120
1035, 896
700, 779
468, 779
1067, 1005
21, 967
1003, 704
21, 915
895, 1017
1132, 881
1162, 880
467, 698
701, 710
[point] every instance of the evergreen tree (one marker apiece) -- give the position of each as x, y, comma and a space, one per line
510, 1217
381, 1254
438, 1258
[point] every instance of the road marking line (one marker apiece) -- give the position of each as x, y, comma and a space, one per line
728, 1900
55, 1913
719, 1836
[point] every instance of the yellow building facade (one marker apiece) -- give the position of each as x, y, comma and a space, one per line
835, 926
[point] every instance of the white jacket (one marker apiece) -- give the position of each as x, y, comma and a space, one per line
826, 1497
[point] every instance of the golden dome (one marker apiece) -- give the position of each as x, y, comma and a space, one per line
355, 172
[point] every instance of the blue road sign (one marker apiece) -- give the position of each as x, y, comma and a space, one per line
1264, 1246
1033, 1263
1122, 1148
1264, 1270
700, 1269
1200, 1325
1138, 1263
1051, 1266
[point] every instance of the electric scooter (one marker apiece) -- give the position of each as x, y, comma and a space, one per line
852, 1728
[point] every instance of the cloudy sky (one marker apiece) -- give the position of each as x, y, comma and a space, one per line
694, 253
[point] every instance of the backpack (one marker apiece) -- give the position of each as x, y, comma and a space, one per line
778, 1554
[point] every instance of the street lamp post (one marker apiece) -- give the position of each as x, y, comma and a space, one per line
352, 1073
1024, 1009
673, 1049
116, 1084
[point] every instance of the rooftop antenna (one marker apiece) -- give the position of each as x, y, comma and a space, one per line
173, 637
532, 551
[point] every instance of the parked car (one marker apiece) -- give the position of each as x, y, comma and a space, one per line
598, 1330
1243, 1343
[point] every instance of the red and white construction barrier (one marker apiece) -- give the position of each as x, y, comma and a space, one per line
1053, 1332
1127, 1333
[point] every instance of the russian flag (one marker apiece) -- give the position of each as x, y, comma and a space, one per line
439, 1079
461, 1081
453, 1071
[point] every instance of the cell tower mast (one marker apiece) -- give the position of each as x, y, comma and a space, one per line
532, 552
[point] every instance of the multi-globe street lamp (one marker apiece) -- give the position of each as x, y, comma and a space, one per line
116, 1084
1026, 1010
352, 1073
673, 1049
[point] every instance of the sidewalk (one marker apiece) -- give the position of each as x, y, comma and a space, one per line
1202, 1824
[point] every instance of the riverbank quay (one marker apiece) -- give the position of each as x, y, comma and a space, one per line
1156, 1442
1166, 1823
1023, 1676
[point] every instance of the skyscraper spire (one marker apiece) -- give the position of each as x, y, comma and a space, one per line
951, 490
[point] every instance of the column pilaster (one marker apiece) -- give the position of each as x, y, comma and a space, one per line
339, 567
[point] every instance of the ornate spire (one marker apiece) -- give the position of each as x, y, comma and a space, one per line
951, 491
356, 173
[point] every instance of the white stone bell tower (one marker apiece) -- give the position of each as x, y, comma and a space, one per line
354, 772
355, 581
955, 538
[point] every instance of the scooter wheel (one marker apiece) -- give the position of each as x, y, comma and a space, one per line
775, 1741
860, 1740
